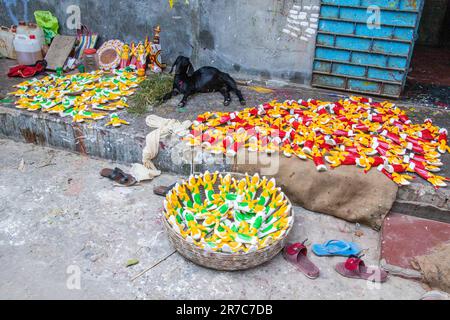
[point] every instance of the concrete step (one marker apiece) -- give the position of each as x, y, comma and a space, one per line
422, 200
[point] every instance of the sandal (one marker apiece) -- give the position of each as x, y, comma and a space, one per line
336, 248
163, 190
118, 176
355, 268
296, 254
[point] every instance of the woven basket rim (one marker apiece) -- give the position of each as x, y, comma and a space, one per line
223, 254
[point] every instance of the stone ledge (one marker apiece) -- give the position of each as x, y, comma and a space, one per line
89, 139
422, 200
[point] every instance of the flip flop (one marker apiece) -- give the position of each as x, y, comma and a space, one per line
163, 190
355, 268
435, 295
336, 248
118, 176
296, 254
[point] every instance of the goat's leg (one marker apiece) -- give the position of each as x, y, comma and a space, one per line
232, 86
226, 96
183, 101
240, 96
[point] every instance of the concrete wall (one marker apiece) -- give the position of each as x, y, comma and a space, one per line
262, 39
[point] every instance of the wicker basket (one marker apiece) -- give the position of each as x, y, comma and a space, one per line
225, 261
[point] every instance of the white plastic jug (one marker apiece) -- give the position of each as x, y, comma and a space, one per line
37, 32
29, 29
28, 49
22, 28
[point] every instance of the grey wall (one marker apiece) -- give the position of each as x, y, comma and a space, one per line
258, 39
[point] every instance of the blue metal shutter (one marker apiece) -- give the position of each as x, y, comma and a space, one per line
354, 56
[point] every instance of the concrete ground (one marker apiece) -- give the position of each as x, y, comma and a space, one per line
58, 217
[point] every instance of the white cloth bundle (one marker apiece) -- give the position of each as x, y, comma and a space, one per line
164, 128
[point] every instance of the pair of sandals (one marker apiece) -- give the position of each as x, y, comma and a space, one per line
118, 176
354, 267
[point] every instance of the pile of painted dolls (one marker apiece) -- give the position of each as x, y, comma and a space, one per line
82, 96
242, 216
138, 55
355, 131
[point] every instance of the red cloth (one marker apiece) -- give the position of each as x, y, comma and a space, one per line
27, 71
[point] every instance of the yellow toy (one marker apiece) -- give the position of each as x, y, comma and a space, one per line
115, 121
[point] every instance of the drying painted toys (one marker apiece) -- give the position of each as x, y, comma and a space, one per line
355, 131
240, 216
83, 96
137, 55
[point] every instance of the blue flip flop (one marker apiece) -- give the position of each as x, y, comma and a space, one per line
336, 248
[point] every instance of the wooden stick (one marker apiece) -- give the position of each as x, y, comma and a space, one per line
153, 266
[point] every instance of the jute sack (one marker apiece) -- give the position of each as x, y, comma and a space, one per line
6, 43
345, 192
435, 267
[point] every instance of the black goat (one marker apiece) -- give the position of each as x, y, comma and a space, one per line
206, 79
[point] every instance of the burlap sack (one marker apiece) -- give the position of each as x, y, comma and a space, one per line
435, 267
345, 192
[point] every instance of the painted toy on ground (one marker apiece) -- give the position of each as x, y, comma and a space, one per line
355, 131
115, 121
240, 216
83, 96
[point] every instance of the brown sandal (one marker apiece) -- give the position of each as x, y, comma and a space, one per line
163, 190
355, 268
297, 254
118, 176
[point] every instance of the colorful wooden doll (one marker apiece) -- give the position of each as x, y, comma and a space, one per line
124, 56
141, 57
133, 55
155, 55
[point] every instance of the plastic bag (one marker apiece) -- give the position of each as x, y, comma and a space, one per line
49, 23
86, 40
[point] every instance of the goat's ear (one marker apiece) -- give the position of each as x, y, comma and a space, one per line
175, 64
190, 70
